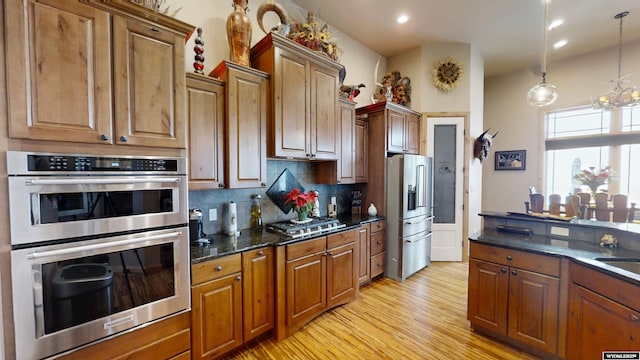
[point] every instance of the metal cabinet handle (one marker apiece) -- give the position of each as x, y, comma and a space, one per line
220, 185
633, 317
124, 138
263, 184
513, 272
104, 137
330, 253
509, 258
218, 268
503, 270
260, 253
238, 278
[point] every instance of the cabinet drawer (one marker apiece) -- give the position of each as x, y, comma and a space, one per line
379, 225
521, 259
378, 243
378, 264
216, 268
342, 238
305, 248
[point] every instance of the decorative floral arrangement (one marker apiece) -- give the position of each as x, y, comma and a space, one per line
314, 36
447, 74
302, 203
394, 88
593, 179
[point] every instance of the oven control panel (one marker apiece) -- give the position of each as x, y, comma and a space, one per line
73, 163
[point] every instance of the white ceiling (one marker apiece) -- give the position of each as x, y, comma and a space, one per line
508, 33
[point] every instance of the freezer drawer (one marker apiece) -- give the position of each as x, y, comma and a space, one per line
416, 225
413, 255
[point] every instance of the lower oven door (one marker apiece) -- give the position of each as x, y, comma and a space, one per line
68, 295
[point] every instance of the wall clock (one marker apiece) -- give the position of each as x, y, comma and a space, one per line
447, 74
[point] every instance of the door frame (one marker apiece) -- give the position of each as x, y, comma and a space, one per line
466, 162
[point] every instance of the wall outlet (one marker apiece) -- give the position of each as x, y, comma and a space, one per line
213, 214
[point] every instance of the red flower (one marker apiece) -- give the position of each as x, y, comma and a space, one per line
301, 202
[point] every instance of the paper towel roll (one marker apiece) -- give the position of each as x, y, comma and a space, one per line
233, 219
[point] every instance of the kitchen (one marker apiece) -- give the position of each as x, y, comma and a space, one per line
274, 167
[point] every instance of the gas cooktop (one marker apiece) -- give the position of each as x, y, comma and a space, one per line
315, 226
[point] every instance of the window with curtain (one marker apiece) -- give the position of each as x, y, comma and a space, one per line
587, 138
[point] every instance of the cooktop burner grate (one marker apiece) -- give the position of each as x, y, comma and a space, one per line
316, 225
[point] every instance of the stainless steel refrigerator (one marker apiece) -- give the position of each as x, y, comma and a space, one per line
409, 214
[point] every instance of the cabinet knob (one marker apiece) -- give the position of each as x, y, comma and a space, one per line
104, 137
503, 270
263, 184
221, 185
514, 273
124, 138
260, 253
330, 253
509, 258
633, 317
218, 268
238, 278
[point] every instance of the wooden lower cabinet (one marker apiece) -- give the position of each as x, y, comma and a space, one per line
604, 318
378, 246
166, 339
517, 295
364, 263
313, 276
257, 292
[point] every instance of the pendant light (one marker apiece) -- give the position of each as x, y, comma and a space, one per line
543, 94
621, 95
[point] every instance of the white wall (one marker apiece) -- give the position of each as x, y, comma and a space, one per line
521, 126
211, 16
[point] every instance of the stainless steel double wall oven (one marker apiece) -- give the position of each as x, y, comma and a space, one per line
99, 246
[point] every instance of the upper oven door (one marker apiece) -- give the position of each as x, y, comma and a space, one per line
52, 208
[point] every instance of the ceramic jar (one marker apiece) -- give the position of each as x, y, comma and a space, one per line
372, 211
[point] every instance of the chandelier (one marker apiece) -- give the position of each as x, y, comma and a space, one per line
622, 94
543, 94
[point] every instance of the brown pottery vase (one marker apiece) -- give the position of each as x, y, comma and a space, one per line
239, 33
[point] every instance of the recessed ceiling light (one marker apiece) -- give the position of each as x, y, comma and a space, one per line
402, 19
555, 23
560, 44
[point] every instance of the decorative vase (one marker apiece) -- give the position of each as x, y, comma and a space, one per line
372, 210
302, 215
239, 33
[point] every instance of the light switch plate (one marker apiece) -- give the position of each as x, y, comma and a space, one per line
213, 214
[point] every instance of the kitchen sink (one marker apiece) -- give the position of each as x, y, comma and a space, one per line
629, 264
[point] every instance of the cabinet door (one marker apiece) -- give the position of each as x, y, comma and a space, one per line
395, 132
412, 134
488, 295
364, 264
306, 284
342, 274
246, 129
216, 314
290, 129
361, 160
599, 324
58, 71
346, 136
149, 85
205, 111
533, 309
324, 121
257, 292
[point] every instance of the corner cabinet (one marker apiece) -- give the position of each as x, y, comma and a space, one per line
246, 92
135, 99
313, 276
517, 295
303, 122
205, 113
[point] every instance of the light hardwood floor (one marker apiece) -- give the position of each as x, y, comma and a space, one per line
422, 318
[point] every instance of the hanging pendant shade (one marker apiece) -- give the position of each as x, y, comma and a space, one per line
543, 94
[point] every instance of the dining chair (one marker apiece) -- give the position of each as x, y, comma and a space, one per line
621, 212
572, 206
554, 204
602, 206
585, 200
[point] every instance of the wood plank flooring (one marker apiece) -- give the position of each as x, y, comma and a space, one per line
422, 318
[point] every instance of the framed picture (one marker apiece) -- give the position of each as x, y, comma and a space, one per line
511, 160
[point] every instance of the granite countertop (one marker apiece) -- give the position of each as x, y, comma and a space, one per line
222, 245
585, 253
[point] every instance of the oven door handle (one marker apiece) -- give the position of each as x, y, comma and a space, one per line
77, 181
76, 249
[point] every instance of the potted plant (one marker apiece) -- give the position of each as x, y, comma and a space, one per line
302, 202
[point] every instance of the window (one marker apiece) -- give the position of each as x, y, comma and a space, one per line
582, 138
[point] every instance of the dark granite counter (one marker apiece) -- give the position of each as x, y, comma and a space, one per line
577, 240
222, 245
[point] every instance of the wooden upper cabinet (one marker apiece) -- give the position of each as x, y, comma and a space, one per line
205, 113
361, 157
246, 120
412, 133
149, 84
58, 71
303, 122
343, 170
400, 125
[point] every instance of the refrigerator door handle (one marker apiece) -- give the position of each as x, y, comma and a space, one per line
420, 186
418, 237
411, 222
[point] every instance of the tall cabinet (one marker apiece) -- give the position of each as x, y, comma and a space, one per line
303, 122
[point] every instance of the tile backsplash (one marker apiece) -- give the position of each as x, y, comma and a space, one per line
305, 172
